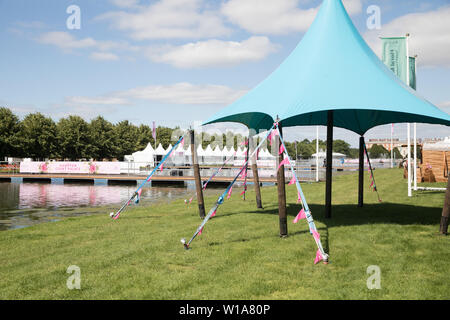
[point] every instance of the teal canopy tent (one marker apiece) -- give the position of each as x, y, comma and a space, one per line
331, 78
332, 68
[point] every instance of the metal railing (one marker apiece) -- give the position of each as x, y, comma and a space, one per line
135, 168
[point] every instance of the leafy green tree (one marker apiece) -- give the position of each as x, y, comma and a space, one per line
127, 139
38, 137
306, 148
341, 146
144, 137
103, 138
397, 154
354, 153
378, 151
9, 128
74, 138
290, 148
164, 136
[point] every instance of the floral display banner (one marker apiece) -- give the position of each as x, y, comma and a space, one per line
70, 167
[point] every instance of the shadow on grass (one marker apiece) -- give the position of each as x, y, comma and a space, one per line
247, 239
349, 215
346, 215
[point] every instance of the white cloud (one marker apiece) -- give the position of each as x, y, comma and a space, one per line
270, 17
125, 3
101, 49
102, 100
178, 93
185, 93
65, 40
169, 19
104, 56
275, 16
430, 36
353, 6
214, 53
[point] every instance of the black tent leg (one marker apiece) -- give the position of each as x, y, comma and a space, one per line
329, 163
361, 173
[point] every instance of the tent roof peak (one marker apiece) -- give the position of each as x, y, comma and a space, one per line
332, 68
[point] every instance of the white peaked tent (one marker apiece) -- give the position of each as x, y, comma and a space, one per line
169, 148
181, 151
208, 157
240, 154
160, 151
144, 157
266, 155
230, 152
200, 154
179, 155
218, 155
217, 152
208, 151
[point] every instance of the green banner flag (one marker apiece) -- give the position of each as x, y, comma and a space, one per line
412, 72
395, 56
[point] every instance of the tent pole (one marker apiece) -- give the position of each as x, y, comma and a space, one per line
446, 210
409, 159
329, 160
415, 156
361, 173
392, 146
281, 180
255, 174
317, 153
246, 166
198, 180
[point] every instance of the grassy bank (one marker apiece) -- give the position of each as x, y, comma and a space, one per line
240, 255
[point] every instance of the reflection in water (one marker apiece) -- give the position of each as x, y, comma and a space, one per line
25, 204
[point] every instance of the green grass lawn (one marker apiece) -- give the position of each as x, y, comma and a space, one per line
240, 254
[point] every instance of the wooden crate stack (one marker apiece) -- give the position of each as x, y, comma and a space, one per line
434, 167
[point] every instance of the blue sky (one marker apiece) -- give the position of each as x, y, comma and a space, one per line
177, 62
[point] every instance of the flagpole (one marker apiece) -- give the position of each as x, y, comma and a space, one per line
409, 125
415, 157
415, 128
409, 159
154, 138
392, 146
317, 153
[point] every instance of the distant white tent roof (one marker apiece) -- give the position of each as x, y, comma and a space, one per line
241, 152
148, 149
217, 152
231, 151
324, 155
208, 151
264, 153
160, 151
180, 149
200, 151
145, 155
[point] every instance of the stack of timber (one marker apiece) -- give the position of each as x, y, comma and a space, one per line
435, 161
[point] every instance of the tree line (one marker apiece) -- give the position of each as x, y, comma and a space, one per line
72, 138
